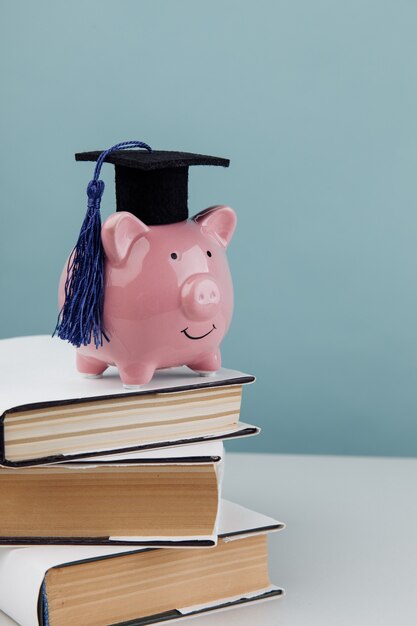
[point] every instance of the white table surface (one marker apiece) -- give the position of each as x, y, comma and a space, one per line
349, 553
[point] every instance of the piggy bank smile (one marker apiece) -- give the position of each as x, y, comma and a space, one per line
187, 334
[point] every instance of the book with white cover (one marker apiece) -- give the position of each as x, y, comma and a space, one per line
50, 413
33, 591
156, 498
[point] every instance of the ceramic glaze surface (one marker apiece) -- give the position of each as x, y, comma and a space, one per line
168, 298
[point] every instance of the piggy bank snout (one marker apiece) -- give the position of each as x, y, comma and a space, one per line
200, 298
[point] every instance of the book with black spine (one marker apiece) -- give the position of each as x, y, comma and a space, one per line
63, 585
50, 413
156, 498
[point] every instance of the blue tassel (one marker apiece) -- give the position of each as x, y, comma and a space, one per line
80, 320
80, 317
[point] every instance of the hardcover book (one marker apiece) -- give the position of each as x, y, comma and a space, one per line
63, 586
49, 413
170, 498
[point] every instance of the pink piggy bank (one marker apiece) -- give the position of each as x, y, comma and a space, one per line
168, 295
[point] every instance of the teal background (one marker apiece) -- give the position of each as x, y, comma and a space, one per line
315, 103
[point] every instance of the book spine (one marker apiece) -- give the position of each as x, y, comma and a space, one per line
43, 613
2, 447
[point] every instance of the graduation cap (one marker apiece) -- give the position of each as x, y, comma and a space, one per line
151, 184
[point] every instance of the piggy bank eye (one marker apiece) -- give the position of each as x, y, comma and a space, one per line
174, 255
208, 253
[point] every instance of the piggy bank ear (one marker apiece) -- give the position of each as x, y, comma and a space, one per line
118, 234
218, 222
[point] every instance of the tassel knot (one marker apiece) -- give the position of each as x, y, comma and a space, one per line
95, 190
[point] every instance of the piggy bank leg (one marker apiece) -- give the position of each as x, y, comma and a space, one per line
89, 366
135, 375
208, 365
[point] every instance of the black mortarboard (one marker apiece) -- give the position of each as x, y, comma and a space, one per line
153, 185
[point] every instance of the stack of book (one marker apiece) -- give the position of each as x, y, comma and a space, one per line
110, 500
